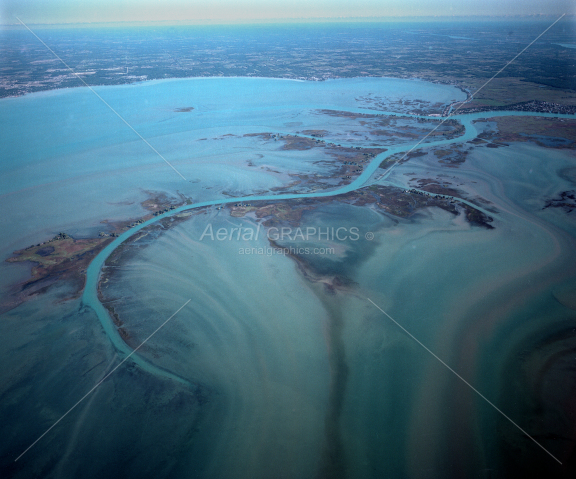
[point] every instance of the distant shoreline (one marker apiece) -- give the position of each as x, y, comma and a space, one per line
533, 106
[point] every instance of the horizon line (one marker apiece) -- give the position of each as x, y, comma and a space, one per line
215, 22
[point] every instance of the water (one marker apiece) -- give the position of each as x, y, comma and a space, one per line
266, 373
236, 340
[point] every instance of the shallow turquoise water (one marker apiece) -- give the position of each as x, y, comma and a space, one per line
265, 373
68, 162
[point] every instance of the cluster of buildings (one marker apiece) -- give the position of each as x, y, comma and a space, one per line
156, 213
527, 106
58, 237
433, 195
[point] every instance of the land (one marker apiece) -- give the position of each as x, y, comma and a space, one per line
66, 258
344, 163
63, 257
546, 132
394, 129
448, 53
391, 200
396, 202
347, 162
506, 90
566, 200
331, 283
451, 157
526, 106
401, 158
59, 258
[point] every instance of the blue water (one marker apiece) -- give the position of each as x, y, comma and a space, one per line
247, 366
93, 272
68, 162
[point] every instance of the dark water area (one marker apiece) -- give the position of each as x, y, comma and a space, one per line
333, 459
132, 424
538, 386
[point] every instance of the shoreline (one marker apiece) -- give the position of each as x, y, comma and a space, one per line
527, 106
249, 77
65, 258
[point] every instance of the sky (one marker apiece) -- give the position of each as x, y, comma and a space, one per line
235, 11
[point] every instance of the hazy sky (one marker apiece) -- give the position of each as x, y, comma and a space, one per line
71, 11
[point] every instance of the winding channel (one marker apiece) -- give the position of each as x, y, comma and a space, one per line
90, 295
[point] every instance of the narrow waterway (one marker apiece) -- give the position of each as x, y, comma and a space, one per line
90, 296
